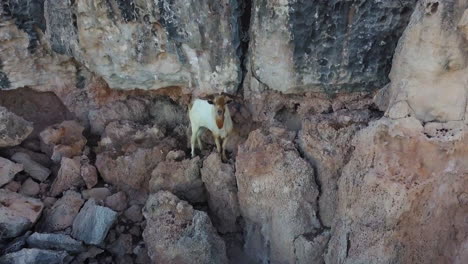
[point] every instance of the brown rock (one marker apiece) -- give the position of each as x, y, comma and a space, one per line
63, 140
13, 186
181, 178
89, 175
13, 129
30, 188
62, 213
8, 170
98, 194
68, 176
277, 195
220, 183
175, 155
175, 232
117, 201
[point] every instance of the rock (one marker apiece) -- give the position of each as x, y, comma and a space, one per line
93, 222
175, 155
181, 178
38, 157
49, 201
437, 91
13, 129
175, 232
89, 175
133, 213
17, 213
30, 188
141, 254
55, 242
68, 176
8, 170
98, 194
13, 186
324, 141
16, 245
91, 253
34, 169
220, 183
34, 256
122, 246
117, 201
310, 248
277, 195
399, 197
62, 213
63, 140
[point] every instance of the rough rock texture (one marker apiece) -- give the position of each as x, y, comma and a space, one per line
324, 140
403, 196
338, 45
34, 256
430, 71
180, 178
68, 176
63, 140
34, 169
8, 170
220, 184
93, 222
17, 213
89, 174
310, 248
175, 232
13, 129
117, 201
277, 195
30, 187
55, 242
62, 213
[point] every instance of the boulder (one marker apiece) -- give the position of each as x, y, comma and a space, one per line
179, 177
175, 232
13, 129
34, 169
34, 256
8, 170
63, 140
277, 195
55, 242
61, 215
93, 222
220, 183
17, 213
68, 176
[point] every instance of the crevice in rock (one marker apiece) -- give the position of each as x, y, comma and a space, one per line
244, 37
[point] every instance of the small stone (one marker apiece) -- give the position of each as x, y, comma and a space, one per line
133, 213
15, 245
67, 177
62, 213
55, 242
8, 170
175, 155
34, 169
98, 194
13, 129
122, 246
13, 186
34, 256
92, 252
126, 259
49, 201
141, 254
135, 230
93, 222
89, 175
30, 188
117, 201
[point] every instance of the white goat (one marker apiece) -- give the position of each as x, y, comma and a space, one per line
212, 113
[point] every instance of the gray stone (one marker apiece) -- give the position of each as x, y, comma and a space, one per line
68, 176
310, 248
89, 175
55, 242
16, 245
34, 169
8, 170
34, 256
133, 213
98, 194
61, 215
30, 188
93, 222
13, 129
117, 201
121, 246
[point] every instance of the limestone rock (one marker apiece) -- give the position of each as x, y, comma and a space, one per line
401, 197
13, 129
68, 176
181, 178
34, 256
34, 169
175, 232
55, 242
430, 71
8, 170
62, 213
277, 195
220, 183
63, 140
93, 222
17, 213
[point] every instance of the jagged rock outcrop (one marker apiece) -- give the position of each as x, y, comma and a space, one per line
277, 195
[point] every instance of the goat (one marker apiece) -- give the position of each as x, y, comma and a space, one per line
212, 113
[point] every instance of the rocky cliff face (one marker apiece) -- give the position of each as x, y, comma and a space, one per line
350, 142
